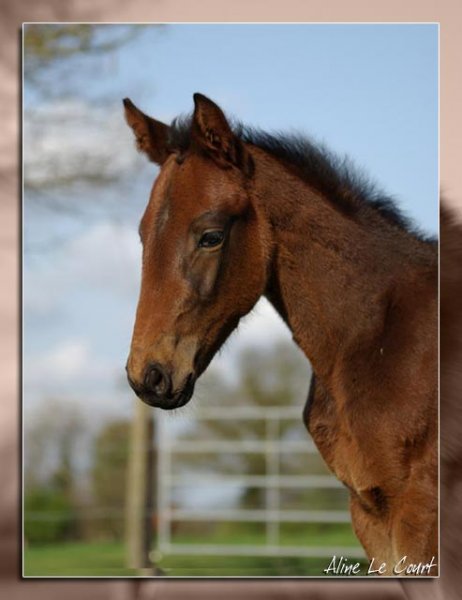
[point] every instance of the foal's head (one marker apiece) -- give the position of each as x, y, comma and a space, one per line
205, 252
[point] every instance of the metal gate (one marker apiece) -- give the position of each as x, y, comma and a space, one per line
272, 482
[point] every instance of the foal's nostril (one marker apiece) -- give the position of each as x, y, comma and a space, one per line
157, 381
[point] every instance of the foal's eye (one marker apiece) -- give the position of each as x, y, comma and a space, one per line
211, 239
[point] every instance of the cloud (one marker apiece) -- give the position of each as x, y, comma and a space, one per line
105, 258
68, 140
66, 363
73, 372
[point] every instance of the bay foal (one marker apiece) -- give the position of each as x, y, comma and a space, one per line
235, 214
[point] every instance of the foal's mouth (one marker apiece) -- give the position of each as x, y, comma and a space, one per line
185, 395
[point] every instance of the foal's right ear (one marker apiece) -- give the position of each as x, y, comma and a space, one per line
151, 135
211, 130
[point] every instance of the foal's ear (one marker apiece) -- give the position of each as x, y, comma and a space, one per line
151, 135
212, 132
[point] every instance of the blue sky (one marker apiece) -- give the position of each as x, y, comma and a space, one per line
369, 91
366, 90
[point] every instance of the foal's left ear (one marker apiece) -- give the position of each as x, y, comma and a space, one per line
211, 131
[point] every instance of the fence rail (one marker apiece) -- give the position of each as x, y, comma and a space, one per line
261, 515
286, 481
170, 447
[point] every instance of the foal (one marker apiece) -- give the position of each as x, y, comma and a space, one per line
235, 214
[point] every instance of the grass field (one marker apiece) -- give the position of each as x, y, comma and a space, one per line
96, 559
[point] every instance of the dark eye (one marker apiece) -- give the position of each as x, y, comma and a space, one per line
211, 239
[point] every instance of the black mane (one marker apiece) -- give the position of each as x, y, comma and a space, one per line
337, 178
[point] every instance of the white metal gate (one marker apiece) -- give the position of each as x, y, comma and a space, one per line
272, 515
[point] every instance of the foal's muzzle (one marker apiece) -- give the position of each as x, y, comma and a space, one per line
156, 389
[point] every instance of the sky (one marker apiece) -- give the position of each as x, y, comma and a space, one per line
368, 91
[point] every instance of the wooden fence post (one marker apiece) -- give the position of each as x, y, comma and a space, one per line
140, 489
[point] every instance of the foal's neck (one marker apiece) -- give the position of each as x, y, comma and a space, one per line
332, 275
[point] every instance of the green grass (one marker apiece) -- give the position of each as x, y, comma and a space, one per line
237, 566
107, 559
291, 534
76, 559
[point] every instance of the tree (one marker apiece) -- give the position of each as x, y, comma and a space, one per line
108, 477
70, 126
277, 376
52, 483
51, 49
49, 516
53, 434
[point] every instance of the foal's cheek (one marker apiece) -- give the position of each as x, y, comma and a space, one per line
208, 281
203, 275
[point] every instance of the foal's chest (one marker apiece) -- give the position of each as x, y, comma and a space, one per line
354, 459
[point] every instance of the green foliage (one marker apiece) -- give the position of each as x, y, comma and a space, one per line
49, 516
276, 376
45, 45
108, 478
53, 434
